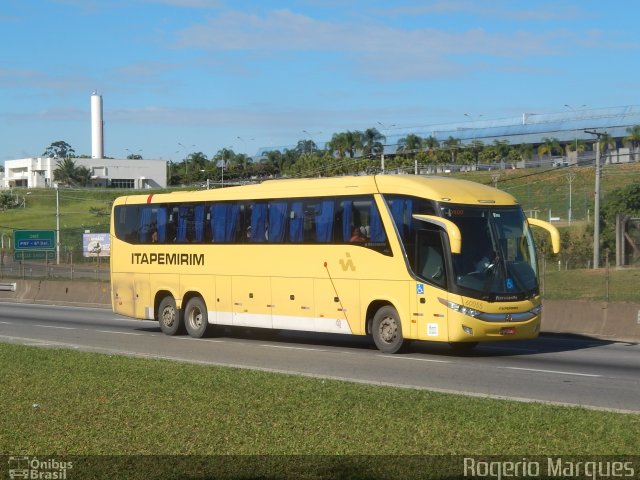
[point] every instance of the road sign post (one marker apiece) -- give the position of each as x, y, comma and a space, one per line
34, 244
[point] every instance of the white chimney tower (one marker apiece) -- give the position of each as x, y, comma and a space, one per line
97, 126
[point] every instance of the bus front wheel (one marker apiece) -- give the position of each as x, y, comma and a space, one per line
195, 317
169, 316
387, 330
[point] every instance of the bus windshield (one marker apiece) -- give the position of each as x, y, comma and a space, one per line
497, 260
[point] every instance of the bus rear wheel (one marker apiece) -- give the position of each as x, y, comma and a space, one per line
387, 330
195, 317
169, 316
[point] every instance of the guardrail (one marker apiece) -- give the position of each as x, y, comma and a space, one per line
7, 287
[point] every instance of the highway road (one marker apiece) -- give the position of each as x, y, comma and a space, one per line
555, 369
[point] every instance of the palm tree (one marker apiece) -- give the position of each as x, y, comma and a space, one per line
502, 148
71, 174
339, 144
634, 138
475, 148
65, 171
607, 143
410, 144
549, 146
453, 144
373, 142
355, 141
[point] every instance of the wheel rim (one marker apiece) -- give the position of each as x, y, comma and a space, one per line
388, 329
195, 318
168, 316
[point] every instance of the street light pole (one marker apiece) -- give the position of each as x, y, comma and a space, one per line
596, 204
57, 224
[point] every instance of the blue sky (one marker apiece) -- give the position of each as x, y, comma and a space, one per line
178, 76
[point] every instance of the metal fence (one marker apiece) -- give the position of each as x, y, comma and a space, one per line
96, 269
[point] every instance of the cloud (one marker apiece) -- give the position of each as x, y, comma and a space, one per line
377, 50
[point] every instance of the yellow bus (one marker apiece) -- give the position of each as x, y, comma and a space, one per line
396, 257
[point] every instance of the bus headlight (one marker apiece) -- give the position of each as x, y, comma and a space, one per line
492, 317
460, 308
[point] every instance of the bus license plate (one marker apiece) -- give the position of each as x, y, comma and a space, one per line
507, 330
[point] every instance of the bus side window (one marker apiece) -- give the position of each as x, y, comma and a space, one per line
258, 227
127, 223
277, 223
296, 222
324, 221
224, 221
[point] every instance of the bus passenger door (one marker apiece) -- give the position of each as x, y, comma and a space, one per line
429, 265
252, 301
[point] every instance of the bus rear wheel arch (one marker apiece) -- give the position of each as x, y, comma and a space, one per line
169, 316
196, 318
386, 329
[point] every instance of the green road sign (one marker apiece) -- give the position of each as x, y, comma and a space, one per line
30, 240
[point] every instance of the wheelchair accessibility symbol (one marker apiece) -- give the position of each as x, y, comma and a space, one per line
420, 288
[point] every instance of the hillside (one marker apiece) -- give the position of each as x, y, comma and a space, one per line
542, 193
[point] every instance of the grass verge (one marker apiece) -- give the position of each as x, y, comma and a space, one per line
57, 401
602, 284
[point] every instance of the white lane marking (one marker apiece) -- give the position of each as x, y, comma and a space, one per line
552, 371
286, 347
414, 359
117, 333
7, 323
53, 326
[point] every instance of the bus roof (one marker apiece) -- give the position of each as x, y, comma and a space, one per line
442, 189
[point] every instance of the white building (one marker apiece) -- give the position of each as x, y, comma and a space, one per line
105, 172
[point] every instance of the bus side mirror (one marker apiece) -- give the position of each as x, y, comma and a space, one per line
553, 232
455, 238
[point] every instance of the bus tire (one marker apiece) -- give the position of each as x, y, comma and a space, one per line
386, 329
196, 319
169, 316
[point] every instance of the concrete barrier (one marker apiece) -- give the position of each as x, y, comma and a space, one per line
616, 321
61, 292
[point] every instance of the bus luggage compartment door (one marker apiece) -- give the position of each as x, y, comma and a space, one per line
252, 301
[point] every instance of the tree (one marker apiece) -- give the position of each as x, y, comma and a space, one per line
502, 149
476, 148
453, 144
550, 145
355, 141
59, 149
625, 200
607, 143
412, 143
69, 173
339, 144
306, 146
372, 142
